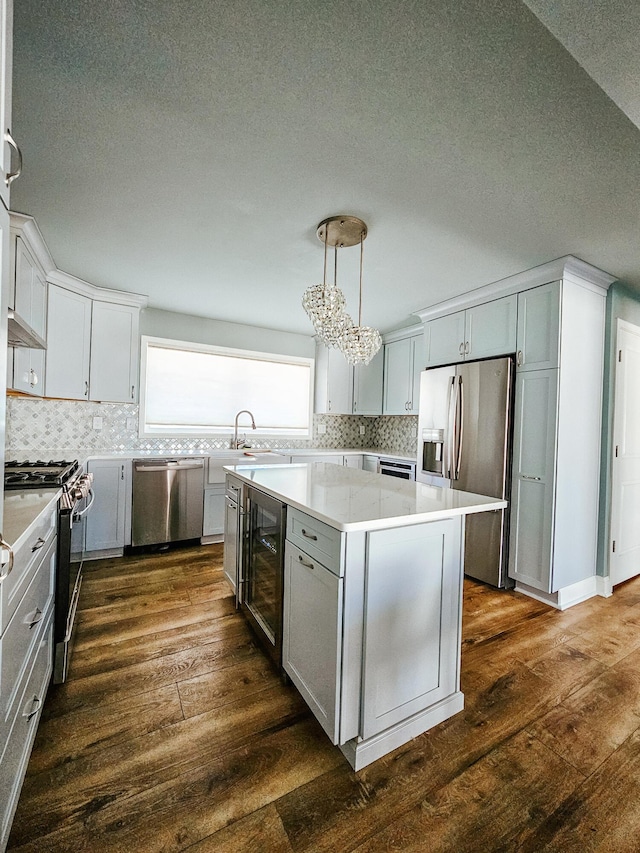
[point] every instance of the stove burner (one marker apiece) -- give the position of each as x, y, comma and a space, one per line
31, 475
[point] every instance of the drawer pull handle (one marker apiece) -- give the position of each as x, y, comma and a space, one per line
33, 620
38, 544
305, 564
528, 477
5, 545
309, 535
34, 707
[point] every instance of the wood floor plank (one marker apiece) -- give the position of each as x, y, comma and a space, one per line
158, 602
215, 689
588, 726
174, 814
65, 795
74, 735
492, 806
92, 660
138, 626
602, 814
259, 832
113, 685
609, 641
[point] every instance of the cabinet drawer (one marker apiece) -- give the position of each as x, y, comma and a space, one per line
17, 747
25, 564
22, 632
316, 539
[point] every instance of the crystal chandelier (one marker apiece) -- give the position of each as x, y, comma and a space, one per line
326, 304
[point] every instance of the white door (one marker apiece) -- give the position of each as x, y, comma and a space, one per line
625, 490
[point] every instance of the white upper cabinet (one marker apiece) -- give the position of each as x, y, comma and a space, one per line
10, 157
539, 327
403, 361
490, 329
113, 376
334, 382
480, 332
30, 303
68, 344
367, 386
444, 339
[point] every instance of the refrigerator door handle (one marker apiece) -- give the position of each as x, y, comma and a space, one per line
460, 422
450, 437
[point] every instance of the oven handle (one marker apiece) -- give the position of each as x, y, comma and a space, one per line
83, 512
5, 546
72, 612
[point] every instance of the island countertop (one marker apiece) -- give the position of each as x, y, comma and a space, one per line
349, 499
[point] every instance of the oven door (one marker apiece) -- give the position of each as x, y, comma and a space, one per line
71, 532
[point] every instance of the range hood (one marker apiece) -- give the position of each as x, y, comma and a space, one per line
21, 334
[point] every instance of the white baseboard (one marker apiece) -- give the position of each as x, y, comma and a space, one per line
566, 597
359, 753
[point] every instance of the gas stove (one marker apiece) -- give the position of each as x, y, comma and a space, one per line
39, 474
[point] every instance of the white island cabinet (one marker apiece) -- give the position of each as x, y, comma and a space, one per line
360, 550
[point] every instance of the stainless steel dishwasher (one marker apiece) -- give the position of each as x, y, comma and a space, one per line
168, 500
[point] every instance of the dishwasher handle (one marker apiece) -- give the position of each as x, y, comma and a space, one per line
169, 465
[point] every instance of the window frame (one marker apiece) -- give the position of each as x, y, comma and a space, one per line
147, 341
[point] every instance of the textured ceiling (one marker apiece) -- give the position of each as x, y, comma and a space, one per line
187, 150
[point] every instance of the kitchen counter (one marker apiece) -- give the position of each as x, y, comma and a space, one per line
349, 499
22, 510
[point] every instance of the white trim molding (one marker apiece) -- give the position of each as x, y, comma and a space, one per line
568, 268
566, 597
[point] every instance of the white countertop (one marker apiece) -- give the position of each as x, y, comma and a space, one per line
21, 510
350, 499
84, 455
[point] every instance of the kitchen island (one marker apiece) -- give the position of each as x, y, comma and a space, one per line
372, 598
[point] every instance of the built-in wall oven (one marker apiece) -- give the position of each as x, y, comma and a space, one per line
260, 583
73, 507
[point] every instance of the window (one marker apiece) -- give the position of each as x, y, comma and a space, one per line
193, 389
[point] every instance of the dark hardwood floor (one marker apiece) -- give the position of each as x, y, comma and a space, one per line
174, 733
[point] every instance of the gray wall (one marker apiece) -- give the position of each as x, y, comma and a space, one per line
622, 304
202, 330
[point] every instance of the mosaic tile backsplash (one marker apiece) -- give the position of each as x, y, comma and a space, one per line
35, 425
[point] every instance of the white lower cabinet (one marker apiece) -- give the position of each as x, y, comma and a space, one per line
26, 656
533, 484
106, 520
370, 463
214, 511
312, 636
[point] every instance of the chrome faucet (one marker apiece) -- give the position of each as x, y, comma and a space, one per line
235, 444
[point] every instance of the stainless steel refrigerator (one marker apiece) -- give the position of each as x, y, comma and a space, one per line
464, 442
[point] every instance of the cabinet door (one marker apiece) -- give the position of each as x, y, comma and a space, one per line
312, 635
231, 539
6, 66
30, 301
490, 329
370, 463
410, 663
114, 353
106, 518
416, 366
214, 504
533, 485
538, 341
68, 344
397, 381
334, 382
4, 294
444, 339
367, 386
